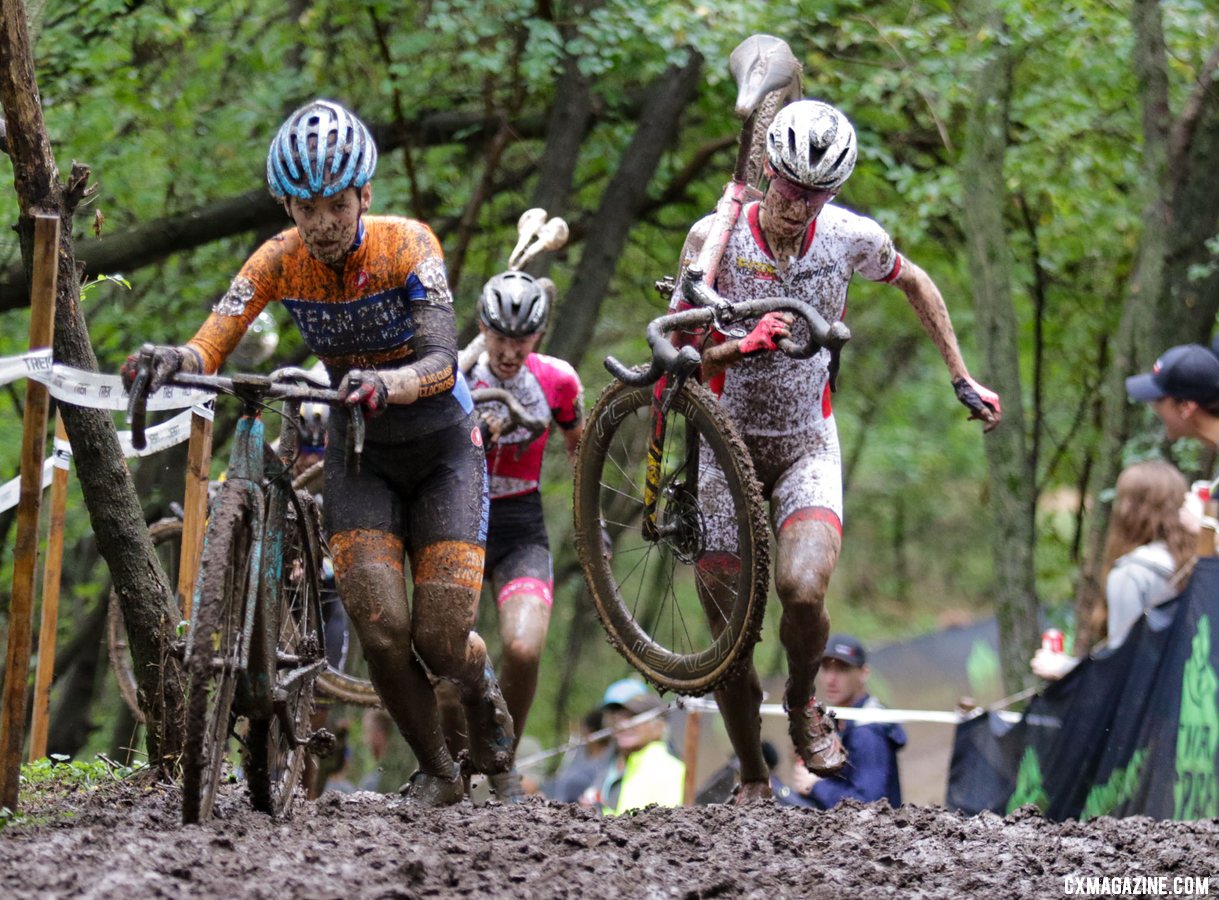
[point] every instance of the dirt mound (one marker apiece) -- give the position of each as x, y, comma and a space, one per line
128, 843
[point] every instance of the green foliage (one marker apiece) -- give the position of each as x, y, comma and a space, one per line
172, 107
51, 787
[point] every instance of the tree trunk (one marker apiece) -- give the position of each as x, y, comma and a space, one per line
1012, 476
668, 96
110, 497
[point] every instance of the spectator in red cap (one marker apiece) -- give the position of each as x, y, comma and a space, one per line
1183, 389
871, 770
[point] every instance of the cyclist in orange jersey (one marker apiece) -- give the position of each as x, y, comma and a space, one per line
371, 299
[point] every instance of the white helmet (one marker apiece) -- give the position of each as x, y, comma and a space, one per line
812, 144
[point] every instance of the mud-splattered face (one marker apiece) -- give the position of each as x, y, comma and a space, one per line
506, 355
788, 207
328, 225
840, 684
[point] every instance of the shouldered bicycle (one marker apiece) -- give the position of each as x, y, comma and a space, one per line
641, 531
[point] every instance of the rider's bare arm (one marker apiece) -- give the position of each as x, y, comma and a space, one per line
929, 304
571, 438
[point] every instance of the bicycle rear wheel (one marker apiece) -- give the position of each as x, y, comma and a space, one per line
166, 537
682, 603
214, 652
274, 757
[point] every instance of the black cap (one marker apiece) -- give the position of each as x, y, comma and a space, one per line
847, 649
1187, 372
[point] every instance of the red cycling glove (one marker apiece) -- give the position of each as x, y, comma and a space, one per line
766, 334
362, 387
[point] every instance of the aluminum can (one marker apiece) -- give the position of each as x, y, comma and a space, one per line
1051, 639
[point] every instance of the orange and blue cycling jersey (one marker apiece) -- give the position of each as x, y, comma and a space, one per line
388, 307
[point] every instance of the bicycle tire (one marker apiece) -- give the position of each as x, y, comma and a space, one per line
211, 660
273, 762
610, 465
166, 535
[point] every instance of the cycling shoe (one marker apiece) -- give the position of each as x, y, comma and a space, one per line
430, 791
816, 739
490, 729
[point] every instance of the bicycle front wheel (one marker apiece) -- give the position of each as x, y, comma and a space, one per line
275, 752
214, 655
681, 589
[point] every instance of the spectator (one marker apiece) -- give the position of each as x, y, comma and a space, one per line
642, 770
1149, 540
585, 767
1183, 389
378, 726
871, 771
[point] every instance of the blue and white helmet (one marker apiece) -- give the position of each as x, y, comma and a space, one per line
322, 149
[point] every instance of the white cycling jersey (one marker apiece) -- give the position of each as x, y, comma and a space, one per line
772, 394
782, 405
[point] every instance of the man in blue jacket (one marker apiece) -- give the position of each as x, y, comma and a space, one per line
871, 769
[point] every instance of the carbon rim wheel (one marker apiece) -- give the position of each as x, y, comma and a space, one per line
213, 654
273, 761
651, 591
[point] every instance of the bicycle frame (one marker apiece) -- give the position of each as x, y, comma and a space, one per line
671, 366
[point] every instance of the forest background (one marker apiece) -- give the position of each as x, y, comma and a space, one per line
1053, 167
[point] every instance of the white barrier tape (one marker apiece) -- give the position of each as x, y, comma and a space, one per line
698, 704
14, 367
865, 715
175, 431
10, 494
92, 389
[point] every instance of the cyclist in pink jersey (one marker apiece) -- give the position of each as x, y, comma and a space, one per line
796, 243
512, 314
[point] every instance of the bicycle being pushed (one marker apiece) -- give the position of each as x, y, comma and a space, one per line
679, 586
255, 647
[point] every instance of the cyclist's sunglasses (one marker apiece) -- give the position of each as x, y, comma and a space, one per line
789, 190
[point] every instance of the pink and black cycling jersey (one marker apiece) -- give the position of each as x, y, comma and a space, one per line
768, 394
547, 388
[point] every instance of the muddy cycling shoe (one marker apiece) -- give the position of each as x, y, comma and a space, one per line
507, 786
816, 739
490, 729
429, 791
752, 793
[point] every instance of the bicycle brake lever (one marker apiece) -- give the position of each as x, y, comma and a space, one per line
137, 397
355, 438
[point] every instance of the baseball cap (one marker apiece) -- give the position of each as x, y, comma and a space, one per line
847, 649
1185, 372
632, 695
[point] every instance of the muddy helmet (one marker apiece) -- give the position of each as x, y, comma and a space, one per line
514, 304
812, 144
322, 149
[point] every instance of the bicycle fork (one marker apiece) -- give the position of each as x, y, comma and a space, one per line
664, 393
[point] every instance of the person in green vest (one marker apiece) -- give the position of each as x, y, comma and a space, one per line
642, 771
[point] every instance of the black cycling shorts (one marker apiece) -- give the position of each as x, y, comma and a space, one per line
515, 522
427, 490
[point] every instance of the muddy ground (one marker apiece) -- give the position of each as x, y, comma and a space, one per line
127, 843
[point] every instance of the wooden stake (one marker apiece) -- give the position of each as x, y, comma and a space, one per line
690, 752
51, 573
198, 471
25, 549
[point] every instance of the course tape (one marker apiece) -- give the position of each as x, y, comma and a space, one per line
80, 388
92, 389
698, 704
